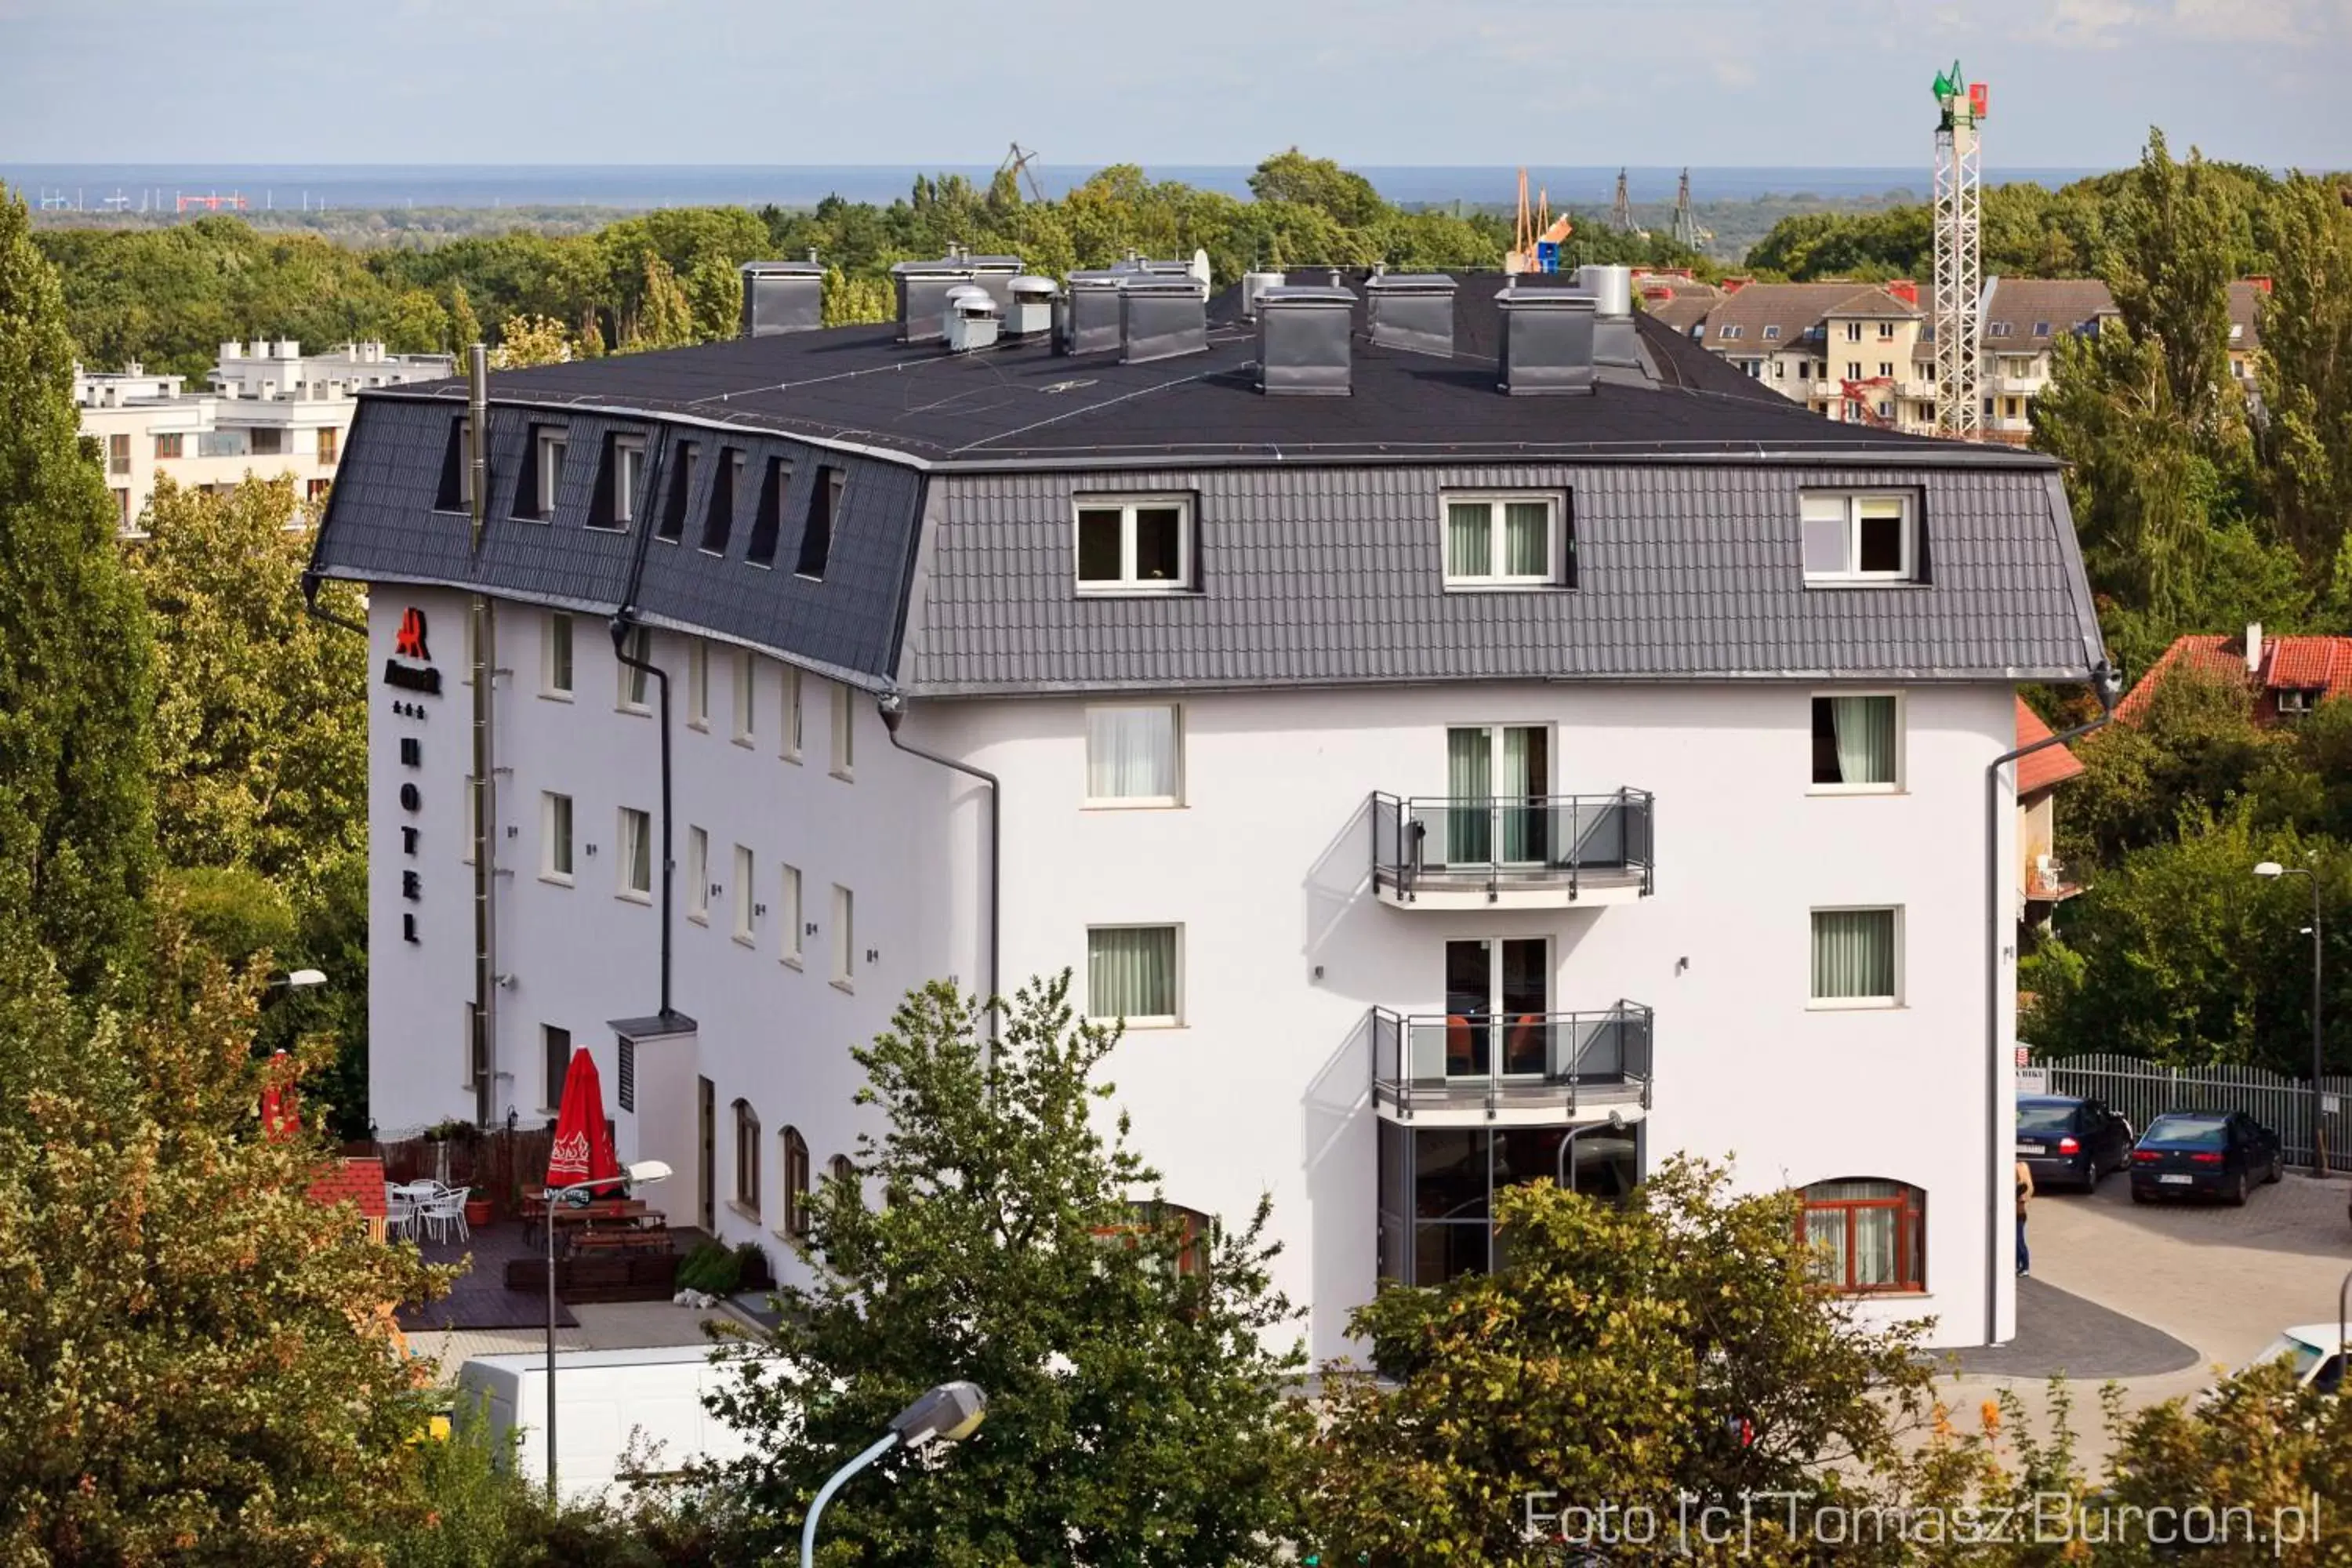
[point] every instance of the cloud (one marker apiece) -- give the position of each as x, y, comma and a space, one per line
2106, 24
2087, 24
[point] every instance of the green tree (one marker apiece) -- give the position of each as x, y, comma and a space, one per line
2194, 744
465, 330
1135, 1414
2305, 437
2169, 267
664, 320
416, 325
1675, 1344
527, 340
76, 824
194, 1353
1347, 197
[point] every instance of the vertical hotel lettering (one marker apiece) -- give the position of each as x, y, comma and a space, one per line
410, 668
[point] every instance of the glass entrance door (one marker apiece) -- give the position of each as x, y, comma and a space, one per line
1498, 992
1496, 779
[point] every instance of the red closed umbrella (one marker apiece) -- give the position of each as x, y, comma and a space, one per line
583, 1143
281, 1116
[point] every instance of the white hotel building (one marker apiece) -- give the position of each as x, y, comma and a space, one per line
1424, 773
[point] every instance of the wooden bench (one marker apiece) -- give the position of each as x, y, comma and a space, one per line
651, 1238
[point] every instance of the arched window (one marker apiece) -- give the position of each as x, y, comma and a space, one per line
796, 1182
747, 1157
1869, 1235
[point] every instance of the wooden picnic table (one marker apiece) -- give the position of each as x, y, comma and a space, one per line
620, 1214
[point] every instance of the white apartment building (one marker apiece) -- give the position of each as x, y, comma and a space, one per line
1866, 353
1426, 773
266, 409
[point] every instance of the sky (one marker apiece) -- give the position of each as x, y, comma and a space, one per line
2074, 83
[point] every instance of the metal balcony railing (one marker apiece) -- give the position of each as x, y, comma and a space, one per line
1510, 1061
1536, 840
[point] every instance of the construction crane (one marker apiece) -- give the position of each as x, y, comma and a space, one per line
1688, 233
1620, 214
1018, 162
1537, 235
1959, 234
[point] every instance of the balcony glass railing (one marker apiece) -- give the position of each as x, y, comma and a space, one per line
1424, 840
1516, 1059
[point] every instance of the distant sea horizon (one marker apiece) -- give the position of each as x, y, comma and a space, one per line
100, 187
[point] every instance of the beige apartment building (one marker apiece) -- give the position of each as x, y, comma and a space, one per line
267, 409
1866, 353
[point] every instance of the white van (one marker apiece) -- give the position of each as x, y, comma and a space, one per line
607, 1403
2313, 1354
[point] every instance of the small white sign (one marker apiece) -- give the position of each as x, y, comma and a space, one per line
2032, 1080
2331, 1104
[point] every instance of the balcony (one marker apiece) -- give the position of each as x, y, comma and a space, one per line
1467, 1069
1538, 852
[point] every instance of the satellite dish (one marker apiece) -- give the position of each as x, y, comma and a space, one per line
1201, 269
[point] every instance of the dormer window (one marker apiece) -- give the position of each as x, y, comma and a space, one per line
628, 466
1998, 329
1728, 332
2297, 700
547, 471
1859, 536
2041, 329
1509, 540
1772, 329
1142, 546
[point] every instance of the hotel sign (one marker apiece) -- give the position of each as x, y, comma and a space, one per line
410, 668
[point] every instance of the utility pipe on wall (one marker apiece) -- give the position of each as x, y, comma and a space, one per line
892, 705
483, 1047
2107, 684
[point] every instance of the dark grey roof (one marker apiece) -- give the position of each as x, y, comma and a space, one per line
1317, 520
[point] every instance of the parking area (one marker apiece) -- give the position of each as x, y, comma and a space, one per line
2115, 1283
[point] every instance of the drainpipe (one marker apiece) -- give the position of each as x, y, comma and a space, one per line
624, 626
2106, 682
892, 705
485, 1043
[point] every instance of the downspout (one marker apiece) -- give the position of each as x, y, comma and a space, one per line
2107, 684
624, 626
485, 790
892, 705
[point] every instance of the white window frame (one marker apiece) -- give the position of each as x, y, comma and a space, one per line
1555, 535
844, 732
556, 630
698, 875
644, 825
549, 447
747, 896
1092, 802
1901, 750
1851, 501
746, 697
1174, 1020
788, 737
1126, 506
787, 904
1853, 1004
1853, 331
552, 1096
628, 468
845, 938
559, 827
1886, 331
698, 683
628, 697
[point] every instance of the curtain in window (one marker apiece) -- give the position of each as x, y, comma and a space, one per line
1527, 538
1523, 769
1826, 1230
1853, 952
1469, 788
1469, 539
1131, 973
1131, 754
1865, 738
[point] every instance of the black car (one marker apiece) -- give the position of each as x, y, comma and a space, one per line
2066, 1142
2204, 1153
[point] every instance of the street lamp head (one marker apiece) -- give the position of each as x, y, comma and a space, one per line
303, 977
2270, 868
645, 1172
1616, 1119
951, 1412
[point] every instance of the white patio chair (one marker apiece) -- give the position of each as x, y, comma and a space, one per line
399, 1210
442, 1213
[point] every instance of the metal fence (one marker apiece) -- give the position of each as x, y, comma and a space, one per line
2141, 1090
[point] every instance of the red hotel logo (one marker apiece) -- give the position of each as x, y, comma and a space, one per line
410, 641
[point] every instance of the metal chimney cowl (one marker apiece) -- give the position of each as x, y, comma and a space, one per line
1547, 341
1305, 345
922, 289
782, 297
1161, 316
1410, 310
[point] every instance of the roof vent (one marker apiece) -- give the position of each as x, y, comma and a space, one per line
1253, 285
1090, 321
1412, 310
1547, 341
1031, 313
1303, 342
971, 321
782, 297
922, 287
1613, 333
993, 273
1161, 315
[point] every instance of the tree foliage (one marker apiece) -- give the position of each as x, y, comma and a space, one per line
1677, 1344
193, 1352
75, 833
1135, 1414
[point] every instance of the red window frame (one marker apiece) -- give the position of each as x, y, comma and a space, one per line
1910, 1207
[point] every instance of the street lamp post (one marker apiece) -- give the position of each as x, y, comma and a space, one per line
949, 1413
643, 1173
2318, 1053
1616, 1119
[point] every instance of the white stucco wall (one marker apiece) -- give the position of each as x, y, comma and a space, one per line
1264, 1086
